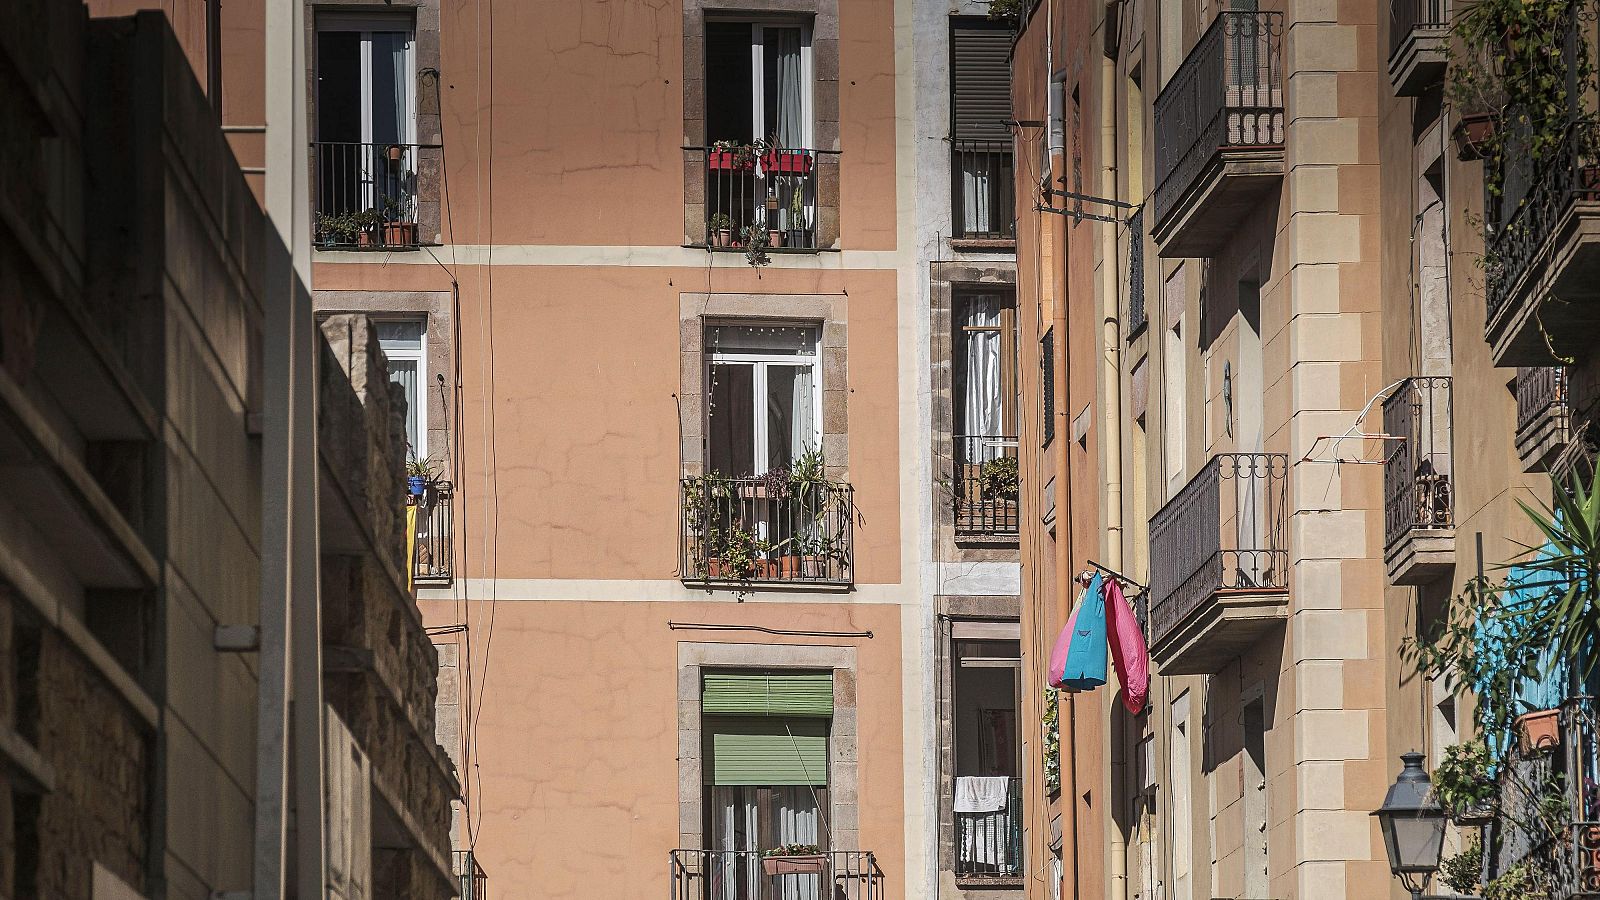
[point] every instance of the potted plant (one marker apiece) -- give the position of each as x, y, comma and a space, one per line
1539, 731
1473, 134
420, 475
397, 233
794, 859
719, 230
997, 478
740, 556
394, 152
336, 230
797, 218
368, 222
755, 246
730, 156
1464, 785
774, 227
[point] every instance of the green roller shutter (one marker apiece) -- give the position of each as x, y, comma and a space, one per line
768, 694
766, 750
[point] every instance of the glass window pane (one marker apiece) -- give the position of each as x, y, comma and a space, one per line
791, 419
404, 373
391, 83
767, 340
783, 88
338, 86
399, 335
730, 420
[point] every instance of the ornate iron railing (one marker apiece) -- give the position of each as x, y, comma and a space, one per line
474, 882
744, 875
1406, 16
1226, 530
366, 194
1535, 194
982, 189
766, 529
1228, 94
1541, 394
1416, 467
433, 555
772, 191
989, 844
985, 505
1138, 317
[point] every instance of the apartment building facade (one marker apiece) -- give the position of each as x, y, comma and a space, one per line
136, 511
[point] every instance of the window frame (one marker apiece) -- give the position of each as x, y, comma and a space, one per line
420, 357
758, 86
760, 363
366, 24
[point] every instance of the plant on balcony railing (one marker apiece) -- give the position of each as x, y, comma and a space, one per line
1052, 739
789, 525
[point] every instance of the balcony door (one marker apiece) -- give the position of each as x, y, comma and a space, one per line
764, 397
758, 82
365, 104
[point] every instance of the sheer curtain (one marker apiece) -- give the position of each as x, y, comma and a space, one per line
734, 875
797, 824
803, 431
787, 121
981, 399
976, 188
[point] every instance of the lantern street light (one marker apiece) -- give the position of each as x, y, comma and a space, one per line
1413, 826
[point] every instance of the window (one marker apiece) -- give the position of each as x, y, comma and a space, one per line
1255, 799
758, 82
1047, 362
765, 775
1182, 802
985, 386
980, 128
365, 106
988, 790
1174, 397
402, 343
764, 397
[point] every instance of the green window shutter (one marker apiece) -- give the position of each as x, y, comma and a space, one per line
766, 750
768, 694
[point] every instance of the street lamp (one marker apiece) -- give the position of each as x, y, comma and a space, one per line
1413, 826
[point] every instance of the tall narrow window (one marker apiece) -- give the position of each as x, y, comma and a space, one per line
402, 343
1182, 803
765, 765
1174, 400
980, 129
1255, 799
988, 766
365, 115
985, 383
764, 397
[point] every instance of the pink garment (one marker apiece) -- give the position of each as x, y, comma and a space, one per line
1058, 654
1128, 651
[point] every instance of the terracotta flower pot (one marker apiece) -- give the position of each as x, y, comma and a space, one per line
722, 237
775, 238
1538, 731
400, 234
810, 864
395, 152
1472, 135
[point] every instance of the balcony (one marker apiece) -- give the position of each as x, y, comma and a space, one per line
1543, 289
982, 193
1419, 38
755, 194
1419, 534
433, 547
766, 531
474, 882
989, 844
1541, 415
1219, 563
743, 875
366, 196
1219, 134
984, 484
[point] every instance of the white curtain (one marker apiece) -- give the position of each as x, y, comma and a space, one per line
803, 431
982, 395
797, 824
977, 187
783, 47
733, 822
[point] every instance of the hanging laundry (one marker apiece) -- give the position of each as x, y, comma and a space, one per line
1085, 665
1058, 653
1128, 649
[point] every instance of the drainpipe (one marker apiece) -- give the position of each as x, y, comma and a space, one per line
1111, 439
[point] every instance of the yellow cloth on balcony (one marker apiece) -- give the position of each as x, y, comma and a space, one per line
411, 546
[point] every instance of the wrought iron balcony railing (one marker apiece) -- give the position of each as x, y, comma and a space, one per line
982, 190
1227, 94
433, 551
1406, 16
474, 882
1543, 420
366, 195
989, 844
984, 482
766, 530
748, 875
1416, 467
1225, 530
771, 193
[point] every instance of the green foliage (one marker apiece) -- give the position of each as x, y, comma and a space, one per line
755, 246
1523, 881
339, 229
998, 478
422, 468
1005, 9
719, 222
1052, 739
1460, 873
794, 850
1464, 781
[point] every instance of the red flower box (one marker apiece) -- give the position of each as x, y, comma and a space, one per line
807, 864
727, 160
787, 163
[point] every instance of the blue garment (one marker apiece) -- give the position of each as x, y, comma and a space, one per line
1086, 655
1549, 690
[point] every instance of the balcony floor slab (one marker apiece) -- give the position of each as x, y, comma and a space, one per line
1207, 216
1419, 62
1421, 555
1529, 332
1221, 628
